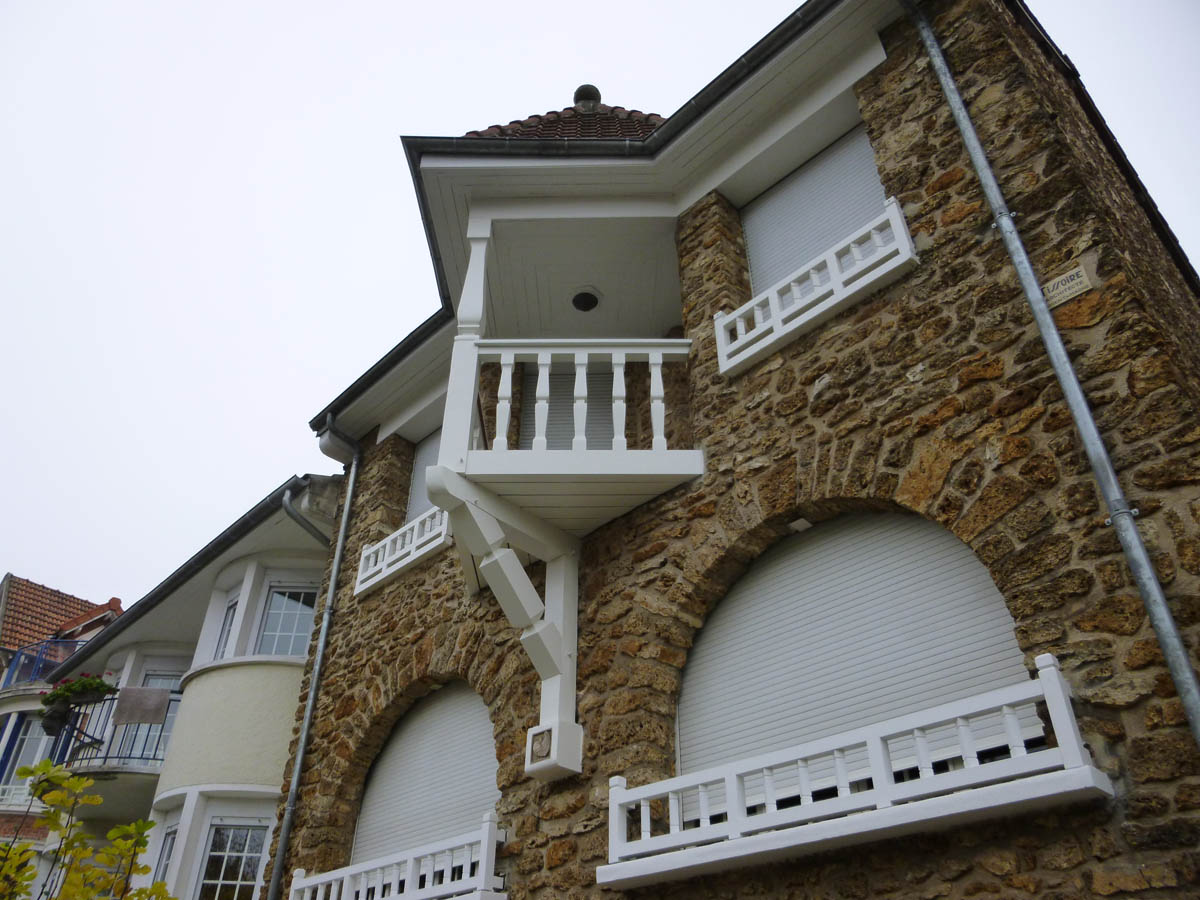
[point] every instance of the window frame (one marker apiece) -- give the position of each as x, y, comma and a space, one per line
264, 604
212, 825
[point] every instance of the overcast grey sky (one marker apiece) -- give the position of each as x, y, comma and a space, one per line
207, 226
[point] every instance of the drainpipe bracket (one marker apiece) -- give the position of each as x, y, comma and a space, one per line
1122, 511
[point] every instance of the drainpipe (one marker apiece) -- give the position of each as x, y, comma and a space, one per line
1121, 515
345, 450
295, 515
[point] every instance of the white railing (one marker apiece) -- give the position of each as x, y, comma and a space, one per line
381, 562
16, 794
581, 356
865, 261
803, 797
464, 865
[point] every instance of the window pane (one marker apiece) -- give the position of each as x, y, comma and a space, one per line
288, 622
234, 856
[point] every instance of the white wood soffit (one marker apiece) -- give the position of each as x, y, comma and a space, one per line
716, 151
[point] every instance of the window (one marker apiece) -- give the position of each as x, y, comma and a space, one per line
164, 855
227, 623
30, 746
233, 861
287, 622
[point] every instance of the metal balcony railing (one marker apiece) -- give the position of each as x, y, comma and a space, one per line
33, 661
92, 739
451, 868
858, 786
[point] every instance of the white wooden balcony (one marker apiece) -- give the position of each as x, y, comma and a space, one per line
874, 256
408, 545
578, 467
462, 866
878, 781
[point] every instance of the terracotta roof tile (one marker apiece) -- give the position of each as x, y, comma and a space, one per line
588, 119
34, 612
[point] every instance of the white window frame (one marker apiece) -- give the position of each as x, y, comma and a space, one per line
264, 605
215, 822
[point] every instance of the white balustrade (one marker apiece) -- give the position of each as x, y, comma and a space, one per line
579, 357
424, 535
461, 866
16, 794
873, 256
802, 799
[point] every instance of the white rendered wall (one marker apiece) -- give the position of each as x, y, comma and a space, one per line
234, 725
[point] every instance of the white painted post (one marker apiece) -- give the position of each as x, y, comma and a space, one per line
705, 813
966, 742
840, 773
675, 812
644, 818
297, 892
616, 818
618, 401
1062, 719
542, 406
658, 407
458, 419
769, 789
412, 875
805, 782
735, 805
881, 770
486, 873
503, 401
579, 441
924, 761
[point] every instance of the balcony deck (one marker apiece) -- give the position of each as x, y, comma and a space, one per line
586, 480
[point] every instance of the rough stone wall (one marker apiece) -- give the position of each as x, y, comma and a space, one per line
932, 397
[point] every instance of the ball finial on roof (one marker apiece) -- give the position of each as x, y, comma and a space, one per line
587, 98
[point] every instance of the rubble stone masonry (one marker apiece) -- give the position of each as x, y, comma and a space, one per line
933, 397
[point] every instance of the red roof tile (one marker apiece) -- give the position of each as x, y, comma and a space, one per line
34, 612
588, 119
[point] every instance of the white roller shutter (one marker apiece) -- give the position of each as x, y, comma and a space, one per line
434, 778
860, 620
560, 418
802, 216
425, 455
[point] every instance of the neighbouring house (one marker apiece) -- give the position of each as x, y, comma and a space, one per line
39, 628
207, 668
726, 532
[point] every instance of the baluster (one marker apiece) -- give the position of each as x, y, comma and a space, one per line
882, 779
705, 814
412, 875
924, 761
735, 805
396, 878
805, 782
740, 324
644, 810
618, 836
658, 406
839, 769
768, 775
675, 812
378, 883
298, 892
579, 442
542, 406
1062, 719
347, 888
1012, 731
503, 401
618, 401
966, 742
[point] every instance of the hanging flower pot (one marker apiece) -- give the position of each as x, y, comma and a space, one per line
78, 691
55, 718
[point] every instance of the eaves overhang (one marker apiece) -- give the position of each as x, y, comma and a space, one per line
227, 539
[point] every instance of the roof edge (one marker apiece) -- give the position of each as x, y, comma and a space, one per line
246, 523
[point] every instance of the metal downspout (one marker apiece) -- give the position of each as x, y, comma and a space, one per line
1120, 513
314, 681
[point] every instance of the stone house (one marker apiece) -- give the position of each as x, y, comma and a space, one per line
727, 531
